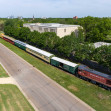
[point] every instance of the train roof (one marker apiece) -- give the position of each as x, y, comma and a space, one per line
64, 61
39, 50
83, 67
20, 42
9, 37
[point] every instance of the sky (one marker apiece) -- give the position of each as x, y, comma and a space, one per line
55, 8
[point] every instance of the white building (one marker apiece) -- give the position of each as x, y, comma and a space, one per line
99, 44
60, 29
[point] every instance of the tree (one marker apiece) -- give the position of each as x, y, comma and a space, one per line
23, 34
33, 37
50, 39
103, 55
95, 35
1, 25
95, 29
84, 51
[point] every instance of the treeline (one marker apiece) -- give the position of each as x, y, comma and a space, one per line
69, 47
2, 24
95, 29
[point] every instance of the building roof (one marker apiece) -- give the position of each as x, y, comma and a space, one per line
99, 44
64, 61
53, 25
39, 50
83, 67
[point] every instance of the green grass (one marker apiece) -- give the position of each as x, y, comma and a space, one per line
3, 72
93, 95
11, 99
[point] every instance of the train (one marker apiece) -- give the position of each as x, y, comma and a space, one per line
81, 71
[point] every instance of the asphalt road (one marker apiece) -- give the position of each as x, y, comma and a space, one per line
45, 94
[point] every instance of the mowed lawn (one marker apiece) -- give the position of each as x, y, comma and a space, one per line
3, 73
11, 99
96, 97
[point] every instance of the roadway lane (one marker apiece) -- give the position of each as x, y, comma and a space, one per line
45, 94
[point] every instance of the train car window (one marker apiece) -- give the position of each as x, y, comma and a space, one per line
36, 52
40, 54
61, 64
46, 57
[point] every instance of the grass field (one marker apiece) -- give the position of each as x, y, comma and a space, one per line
93, 95
3, 72
11, 99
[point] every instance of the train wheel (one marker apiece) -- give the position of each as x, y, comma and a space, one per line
76, 74
100, 85
80, 77
93, 82
109, 89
